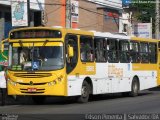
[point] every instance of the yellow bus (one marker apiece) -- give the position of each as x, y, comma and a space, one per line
46, 61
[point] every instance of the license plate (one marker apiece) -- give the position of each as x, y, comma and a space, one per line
32, 89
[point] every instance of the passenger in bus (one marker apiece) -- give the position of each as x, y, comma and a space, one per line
23, 56
15, 57
100, 51
86, 53
89, 56
132, 55
83, 52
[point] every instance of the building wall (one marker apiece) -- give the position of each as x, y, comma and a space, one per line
5, 15
91, 16
34, 4
87, 20
53, 13
97, 19
5, 19
111, 20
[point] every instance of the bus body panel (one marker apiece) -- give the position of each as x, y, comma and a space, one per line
114, 78
105, 77
40, 83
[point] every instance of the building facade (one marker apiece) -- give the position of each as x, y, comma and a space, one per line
98, 15
36, 7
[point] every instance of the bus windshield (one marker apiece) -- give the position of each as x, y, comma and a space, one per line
37, 58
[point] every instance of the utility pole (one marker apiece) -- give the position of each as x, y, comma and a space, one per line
68, 14
151, 21
28, 6
157, 20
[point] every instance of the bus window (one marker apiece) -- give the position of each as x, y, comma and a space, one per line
124, 51
113, 51
71, 62
86, 49
134, 52
144, 52
153, 52
100, 50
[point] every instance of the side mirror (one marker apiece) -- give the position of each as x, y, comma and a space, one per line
70, 51
2, 46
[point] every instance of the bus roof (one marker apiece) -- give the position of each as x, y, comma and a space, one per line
111, 35
66, 30
144, 39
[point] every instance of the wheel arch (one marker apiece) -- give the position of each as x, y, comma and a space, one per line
89, 81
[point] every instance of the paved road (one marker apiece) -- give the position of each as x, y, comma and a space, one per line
147, 102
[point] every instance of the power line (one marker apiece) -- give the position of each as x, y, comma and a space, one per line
86, 9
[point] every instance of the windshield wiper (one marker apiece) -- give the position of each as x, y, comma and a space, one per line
45, 42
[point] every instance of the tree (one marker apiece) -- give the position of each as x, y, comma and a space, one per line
143, 10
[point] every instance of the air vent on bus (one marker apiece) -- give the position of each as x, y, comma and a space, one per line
32, 84
32, 75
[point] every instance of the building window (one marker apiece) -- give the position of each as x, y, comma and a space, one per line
111, 15
7, 17
86, 49
125, 27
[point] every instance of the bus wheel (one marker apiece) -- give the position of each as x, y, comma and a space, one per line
134, 88
85, 90
38, 99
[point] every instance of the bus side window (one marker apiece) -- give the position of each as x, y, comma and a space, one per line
100, 49
112, 51
153, 52
124, 51
71, 40
144, 53
134, 52
86, 49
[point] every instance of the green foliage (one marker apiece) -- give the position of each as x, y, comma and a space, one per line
144, 10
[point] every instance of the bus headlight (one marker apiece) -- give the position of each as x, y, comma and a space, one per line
57, 80
60, 78
52, 83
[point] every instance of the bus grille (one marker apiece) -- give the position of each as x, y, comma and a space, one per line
32, 75
32, 84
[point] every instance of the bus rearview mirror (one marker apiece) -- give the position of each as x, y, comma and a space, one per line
2, 47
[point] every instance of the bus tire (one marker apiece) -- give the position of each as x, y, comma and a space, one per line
38, 99
134, 88
85, 91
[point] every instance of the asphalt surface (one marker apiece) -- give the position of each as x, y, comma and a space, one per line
148, 101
